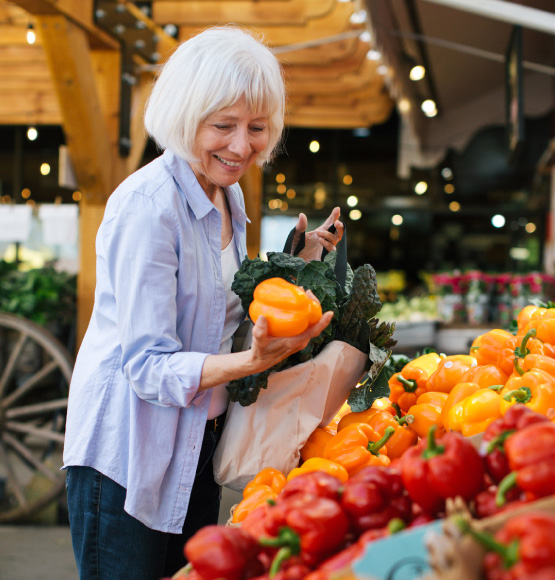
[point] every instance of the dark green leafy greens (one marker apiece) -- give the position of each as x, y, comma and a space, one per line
355, 307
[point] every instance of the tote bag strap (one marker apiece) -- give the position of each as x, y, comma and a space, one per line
341, 249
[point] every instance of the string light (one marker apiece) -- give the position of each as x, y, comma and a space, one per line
31, 36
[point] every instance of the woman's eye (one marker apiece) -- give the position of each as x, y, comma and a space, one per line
257, 129
222, 127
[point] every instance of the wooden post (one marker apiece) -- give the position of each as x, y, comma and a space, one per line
251, 184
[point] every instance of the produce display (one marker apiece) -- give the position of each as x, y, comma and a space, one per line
475, 429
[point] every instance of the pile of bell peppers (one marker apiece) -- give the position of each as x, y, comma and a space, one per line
371, 473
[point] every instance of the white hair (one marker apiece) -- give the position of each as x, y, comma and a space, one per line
207, 73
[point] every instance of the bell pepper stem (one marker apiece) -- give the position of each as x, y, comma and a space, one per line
496, 388
522, 350
397, 409
508, 553
518, 368
289, 544
522, 395
507, 483
375, 446
432, 448
282, 556
396, 525
409, 384
406, 420
498, 442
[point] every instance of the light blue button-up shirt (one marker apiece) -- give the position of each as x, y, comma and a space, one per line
134, 412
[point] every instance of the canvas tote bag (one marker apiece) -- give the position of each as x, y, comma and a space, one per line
272, 431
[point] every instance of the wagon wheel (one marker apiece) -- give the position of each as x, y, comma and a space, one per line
35, 370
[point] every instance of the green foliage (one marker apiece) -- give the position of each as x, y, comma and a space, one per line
42, 295
354, 308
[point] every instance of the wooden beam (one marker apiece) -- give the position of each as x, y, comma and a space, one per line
325, 54
366, 76
242, 12
351, 64
333, 23
79, 12
67, 52
36, 108
141, 92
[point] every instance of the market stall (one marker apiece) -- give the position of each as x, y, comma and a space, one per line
429, 466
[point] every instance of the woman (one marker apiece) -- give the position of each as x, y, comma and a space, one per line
148, 390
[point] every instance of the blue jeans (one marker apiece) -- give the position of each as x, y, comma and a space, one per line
109, 544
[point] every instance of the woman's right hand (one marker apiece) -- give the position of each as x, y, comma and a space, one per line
266, 350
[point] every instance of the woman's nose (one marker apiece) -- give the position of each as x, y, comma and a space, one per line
240, 144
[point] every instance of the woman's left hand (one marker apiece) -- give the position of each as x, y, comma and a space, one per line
320, 238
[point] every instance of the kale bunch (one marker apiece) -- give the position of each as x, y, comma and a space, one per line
354, 306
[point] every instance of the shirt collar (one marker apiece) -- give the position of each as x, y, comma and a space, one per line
196, 197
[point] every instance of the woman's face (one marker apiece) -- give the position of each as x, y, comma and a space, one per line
227, 144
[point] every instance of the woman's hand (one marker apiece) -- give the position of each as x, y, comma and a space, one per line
266, 351
318, 239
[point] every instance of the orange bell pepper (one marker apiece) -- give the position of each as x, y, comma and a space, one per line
433, 397
474, 413
425, 415
269, 476
449, 372
527, 315
535, 361
402, 438
535, 389
320, 464
357, 446
256, 498
357, 417
457, 394
385, 404
406, 386
332, 426
287, 307
518, 347
485, 376
535, 319
486, 347
545, 330
314, 446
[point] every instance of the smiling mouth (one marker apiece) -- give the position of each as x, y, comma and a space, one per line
228, 163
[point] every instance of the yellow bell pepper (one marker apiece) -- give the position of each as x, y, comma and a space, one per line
457, 394
535, 389
474, 413
318, 464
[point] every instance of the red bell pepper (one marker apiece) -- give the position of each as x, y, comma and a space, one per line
523, 549
435, 470
223, 552
309, 526
531, 457
317, 483
516, 418
374, 496
485, 504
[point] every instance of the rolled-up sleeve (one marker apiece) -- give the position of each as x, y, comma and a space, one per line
142, 242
